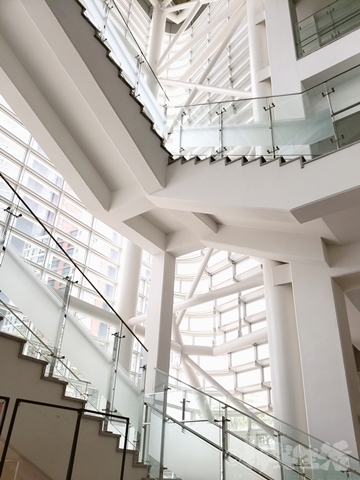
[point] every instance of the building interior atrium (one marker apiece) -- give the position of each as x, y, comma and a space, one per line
179, 208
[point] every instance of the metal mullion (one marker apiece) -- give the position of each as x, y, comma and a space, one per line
14, 138
39, 177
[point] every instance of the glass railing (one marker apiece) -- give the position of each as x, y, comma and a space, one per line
326, 25
300, 126
61, 336
115, 33
55, 441
252, 440
77, 386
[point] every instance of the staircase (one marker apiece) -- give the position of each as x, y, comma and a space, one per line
41, 440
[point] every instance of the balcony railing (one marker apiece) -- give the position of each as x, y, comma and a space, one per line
232, 442
326, 25
306, 125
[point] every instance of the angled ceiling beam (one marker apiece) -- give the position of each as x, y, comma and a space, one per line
195, 283
178, 18
217, 44
199, 223
234, 25
180, 31
182, 6
222, 16
206, 88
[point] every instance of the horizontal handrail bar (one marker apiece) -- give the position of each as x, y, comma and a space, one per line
70, 259
218, 447
42, 343
268, 96
279, 433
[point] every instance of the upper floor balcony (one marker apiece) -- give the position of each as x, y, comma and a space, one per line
326, 25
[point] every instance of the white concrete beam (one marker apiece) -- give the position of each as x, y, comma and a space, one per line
281, 246
199, 223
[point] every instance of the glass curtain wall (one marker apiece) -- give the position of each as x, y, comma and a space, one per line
93, 245
97, 249
244, 373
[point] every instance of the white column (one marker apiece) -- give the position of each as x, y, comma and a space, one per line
157, 36
159, 318
285, 366
330, 380
128, 297
258, 62
285, 69
258, 48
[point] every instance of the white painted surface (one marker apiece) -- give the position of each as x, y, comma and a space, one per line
160, 310
285, 366
325, 385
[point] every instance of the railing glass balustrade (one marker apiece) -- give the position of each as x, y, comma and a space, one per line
103, 382
313, 123
251, 443
326, 25
126, 52
308, 125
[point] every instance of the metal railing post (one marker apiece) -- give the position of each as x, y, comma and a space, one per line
61, 330
162, 445
10, 216
113, 372
274, 149
222, 149
139, 62
224, 443
327, 94
108, 5
183, 113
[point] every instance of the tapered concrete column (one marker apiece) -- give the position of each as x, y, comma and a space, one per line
285, 366
330, 379
159, 318
128, 297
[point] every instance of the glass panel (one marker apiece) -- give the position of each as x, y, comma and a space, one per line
183, 461
28, 250
302, 125
345, 101
125, 51
67, 225
30, 227
107, 232
238, 448
102, 266
246, 128
235, 470
325, 26
76, 211
9, 168
14, 127
60, 266
45, 170
38, 148
11, 147
73, 250
42, 211
153, 444
106, 249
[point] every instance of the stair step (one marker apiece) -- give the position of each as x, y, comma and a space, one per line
42, 436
